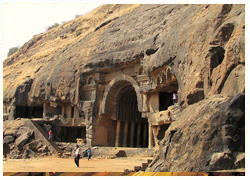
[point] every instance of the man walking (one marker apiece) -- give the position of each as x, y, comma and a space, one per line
50, 134
77, 156
89, 153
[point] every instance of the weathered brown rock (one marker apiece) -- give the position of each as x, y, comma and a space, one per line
34, 145
28, 153
202, 44
15, 154
205, 137
20, 141
6, 149
43, 149
21, 131
8, 139
239, 161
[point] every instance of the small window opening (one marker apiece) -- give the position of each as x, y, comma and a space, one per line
91, 80
72, 112
166, 100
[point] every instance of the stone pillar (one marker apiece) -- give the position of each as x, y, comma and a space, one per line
44, 110
150, 137
118, 127
144, 138
138, 134
125, 134
132, 133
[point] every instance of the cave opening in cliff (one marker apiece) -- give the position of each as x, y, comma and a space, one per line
162, 131
217, 56
71, 133
165, 100
132, 129
29, 112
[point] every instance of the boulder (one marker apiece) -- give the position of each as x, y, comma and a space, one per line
15, 154
221, 161
8, 139
20, 141
204, 137
28, 153
22, 130
239, 161
43, 149
32, 145
6, 149
9, 132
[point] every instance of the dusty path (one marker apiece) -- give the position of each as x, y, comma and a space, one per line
50, 164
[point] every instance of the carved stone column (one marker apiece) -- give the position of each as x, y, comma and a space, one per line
44, 110
144, 138
150, 137
132, 133
138, 134
118, 128
125, 134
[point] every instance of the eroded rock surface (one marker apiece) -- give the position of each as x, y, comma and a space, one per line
203, 44
207, 136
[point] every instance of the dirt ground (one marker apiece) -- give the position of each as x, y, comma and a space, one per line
52, 164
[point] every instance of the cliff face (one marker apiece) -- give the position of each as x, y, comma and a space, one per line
204, 45
207, 136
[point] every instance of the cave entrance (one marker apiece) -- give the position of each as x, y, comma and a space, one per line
131, 128
70, 133
29, 112
165, 100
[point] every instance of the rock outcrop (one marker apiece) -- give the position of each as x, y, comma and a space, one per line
203, 44
207, 136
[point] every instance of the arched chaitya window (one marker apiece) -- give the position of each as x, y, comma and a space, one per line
91, 80
141, 71
158, 80
163, 78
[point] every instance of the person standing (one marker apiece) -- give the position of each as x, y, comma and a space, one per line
77, 156
50, 134
174, 98
89, 153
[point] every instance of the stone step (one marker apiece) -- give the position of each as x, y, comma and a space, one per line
116, 153
113, 152
150, 160
137, 168
144, 166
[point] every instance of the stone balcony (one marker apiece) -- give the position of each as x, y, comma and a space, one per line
164, 117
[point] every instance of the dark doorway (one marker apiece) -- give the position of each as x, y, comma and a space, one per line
79, 133
70, 134
162, 131
166, 100
29, 112
37, 112
72, 112
127, 112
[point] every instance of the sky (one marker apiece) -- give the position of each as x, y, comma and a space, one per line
21, 21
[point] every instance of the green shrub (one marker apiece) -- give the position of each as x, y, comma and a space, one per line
13, 50
53, 26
